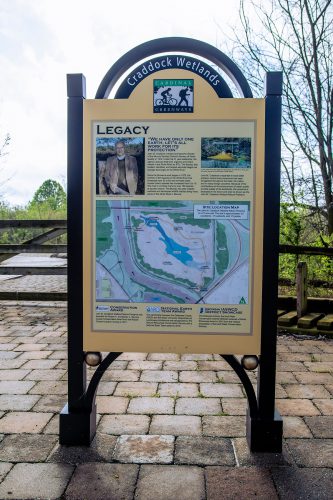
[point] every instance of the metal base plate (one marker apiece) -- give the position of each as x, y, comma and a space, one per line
77, 429
264, 435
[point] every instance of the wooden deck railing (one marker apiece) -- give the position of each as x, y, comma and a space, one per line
55, 228
34, 245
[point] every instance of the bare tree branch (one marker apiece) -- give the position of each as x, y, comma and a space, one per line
296, 37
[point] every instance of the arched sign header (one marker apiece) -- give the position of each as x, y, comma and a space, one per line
174, 44
177, 61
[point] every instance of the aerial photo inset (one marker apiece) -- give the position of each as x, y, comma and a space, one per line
226, 152
163, 252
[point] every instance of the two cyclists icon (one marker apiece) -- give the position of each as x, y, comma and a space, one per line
169, 100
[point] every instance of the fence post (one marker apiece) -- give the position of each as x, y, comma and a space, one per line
301, 288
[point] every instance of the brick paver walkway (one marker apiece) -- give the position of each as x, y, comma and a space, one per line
169, 426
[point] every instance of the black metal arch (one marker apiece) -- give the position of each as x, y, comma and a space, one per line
89, 397
244, 378
172, 44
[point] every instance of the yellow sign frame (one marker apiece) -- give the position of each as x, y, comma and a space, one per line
208, 108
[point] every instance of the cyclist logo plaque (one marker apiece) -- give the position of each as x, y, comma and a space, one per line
173, 96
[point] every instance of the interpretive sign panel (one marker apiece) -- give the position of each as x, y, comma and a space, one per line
173, 217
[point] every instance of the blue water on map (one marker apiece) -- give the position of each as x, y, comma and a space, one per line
172, 248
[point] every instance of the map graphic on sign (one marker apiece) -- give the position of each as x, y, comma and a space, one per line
172, 252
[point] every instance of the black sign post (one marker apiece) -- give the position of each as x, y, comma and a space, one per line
78, 418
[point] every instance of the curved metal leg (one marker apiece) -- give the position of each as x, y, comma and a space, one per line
244, 378
78, 422
89, 397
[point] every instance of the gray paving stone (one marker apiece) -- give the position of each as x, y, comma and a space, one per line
52, 403
180, 365
26, 447
280, 392
213, 365
294, 427
329, 387
27, 481
313, 378
221, 390
286, 378
124, 424
106, 388
177, 425
324, 405
312, 452
17, 402
30, 347
38, 375
136, 389
320, 426
4, 469
46, 387
234, 406
41, 364
58, 355
159, 376
122, 375
145, 365
8, 355
306, 391
7, 347
119, 364
292, 356
244, 482
198, 406
290, 366
53, 426
204, 451
144, 449
27, 356
151, 405
227, 377
10, 364
320, 367
163, 356
129, 356
197, 376
100, 450
224, 426
111, 404
103, 482
296, 407
16, 387
246, 458
197, 357
158, 482
297, 484
178, 390
24, 422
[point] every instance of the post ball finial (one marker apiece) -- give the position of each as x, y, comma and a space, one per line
93, 358
250, 362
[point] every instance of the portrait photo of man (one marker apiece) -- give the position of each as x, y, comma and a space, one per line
120, 167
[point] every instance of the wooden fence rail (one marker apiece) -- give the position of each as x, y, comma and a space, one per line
59, 226
55, 228
35, 245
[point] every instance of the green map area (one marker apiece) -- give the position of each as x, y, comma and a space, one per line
160, 252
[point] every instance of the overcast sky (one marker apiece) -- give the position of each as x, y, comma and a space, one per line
43, 40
